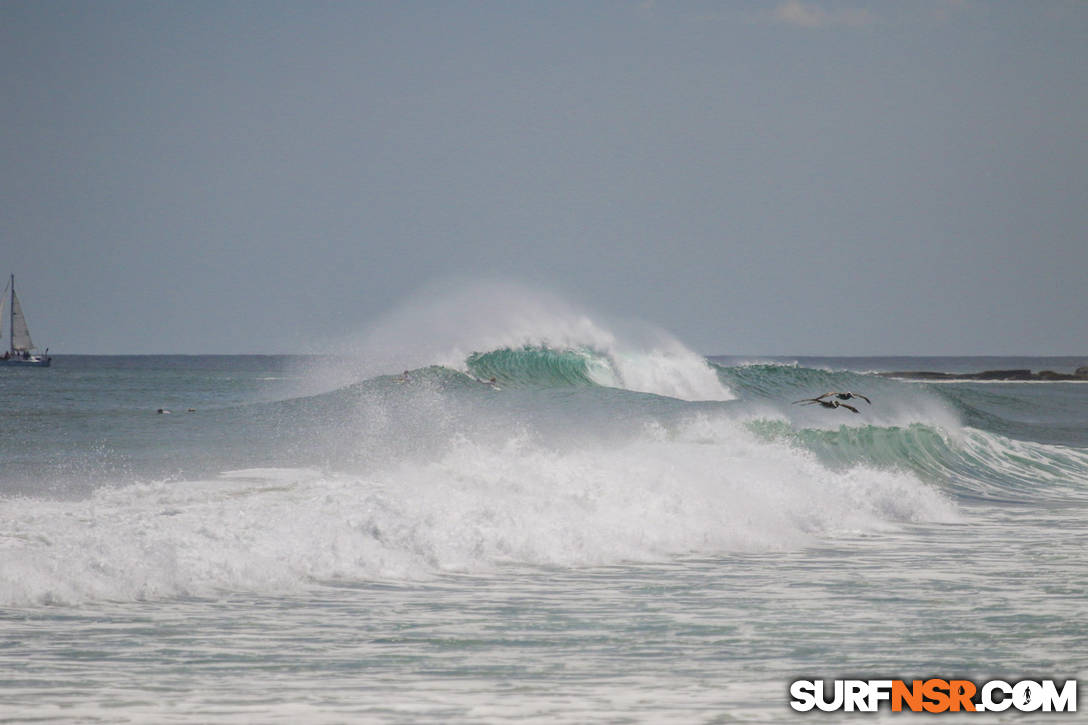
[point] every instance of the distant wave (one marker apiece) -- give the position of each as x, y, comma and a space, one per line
770, 380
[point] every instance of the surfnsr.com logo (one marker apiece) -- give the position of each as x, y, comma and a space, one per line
933, 695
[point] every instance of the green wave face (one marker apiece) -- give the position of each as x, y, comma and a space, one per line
542, 366
975, 441
969, 463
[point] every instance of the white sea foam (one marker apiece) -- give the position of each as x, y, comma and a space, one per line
705, 487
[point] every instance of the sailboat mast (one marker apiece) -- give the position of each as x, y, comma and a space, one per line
11, 319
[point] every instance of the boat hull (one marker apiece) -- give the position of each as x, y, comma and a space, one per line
33, 362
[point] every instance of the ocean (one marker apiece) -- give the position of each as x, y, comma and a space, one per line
605, 533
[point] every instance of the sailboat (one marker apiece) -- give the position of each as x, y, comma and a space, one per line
20, 346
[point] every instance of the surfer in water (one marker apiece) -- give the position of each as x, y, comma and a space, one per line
827, 403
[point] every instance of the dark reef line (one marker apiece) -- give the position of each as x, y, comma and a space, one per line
1081, 373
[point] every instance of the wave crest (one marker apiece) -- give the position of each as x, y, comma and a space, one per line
521, 334
676, 373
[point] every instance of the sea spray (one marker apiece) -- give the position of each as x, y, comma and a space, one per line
450, 326
705, 487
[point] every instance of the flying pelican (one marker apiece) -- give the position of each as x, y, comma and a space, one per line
827, 403
846, 396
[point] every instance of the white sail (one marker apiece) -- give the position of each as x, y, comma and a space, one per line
20, 335
3, 309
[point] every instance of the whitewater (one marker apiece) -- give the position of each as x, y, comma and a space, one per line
538, 516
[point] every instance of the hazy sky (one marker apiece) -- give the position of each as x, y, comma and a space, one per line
776, 178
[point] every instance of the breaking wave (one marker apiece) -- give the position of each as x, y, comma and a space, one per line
705, 487
531, 337
676, 373
592, 447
